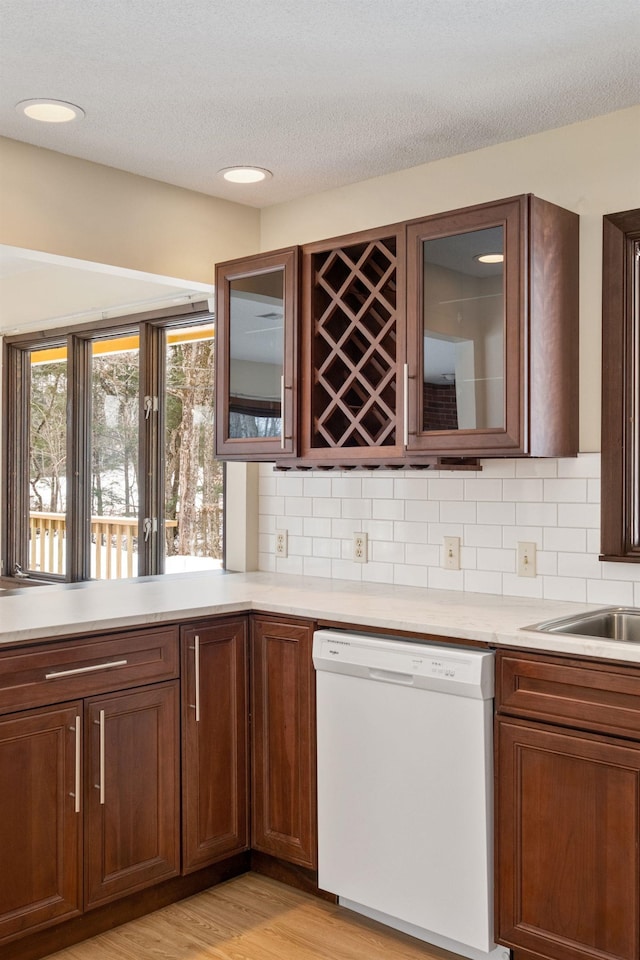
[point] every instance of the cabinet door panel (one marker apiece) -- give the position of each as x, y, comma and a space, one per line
283, 793
132, 819
40, 828
568, 822
256, 356
215, 755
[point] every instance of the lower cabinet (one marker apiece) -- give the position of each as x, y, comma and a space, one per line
40, 818
215, 748
568, 810
283, 743
132, 806
119, 787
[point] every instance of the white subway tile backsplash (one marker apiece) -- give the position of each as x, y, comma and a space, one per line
593, 491
568, 539
482, 535
584, 465
499, 513
566, 490
483, 489
316, 567
422, 510
537, 514
346, 487
483, 581
579, 565
387, 551
579, 515
440, 579
316, 487
289, 486
565, 588
610, 592
519, 490
514, 586
388, 509
424, 554
536, 468
326, 547
356, 508
554, 503
378, 488
446, 489
405, 532
502, 560
455, 512
326, 507
379, 529
411, 576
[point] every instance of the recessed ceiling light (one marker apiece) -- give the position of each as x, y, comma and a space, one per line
245, 174
50, 111
490, 258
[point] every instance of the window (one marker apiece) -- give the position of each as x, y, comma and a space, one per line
621, 387
109, 451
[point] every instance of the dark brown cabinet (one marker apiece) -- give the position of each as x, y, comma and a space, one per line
40, 818
132, 812
283, 759
492, 318
256, 356
215, 802
568, 809
89, 788
353, 343
422, 343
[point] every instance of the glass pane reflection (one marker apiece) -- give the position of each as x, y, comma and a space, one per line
464, 360
256, 354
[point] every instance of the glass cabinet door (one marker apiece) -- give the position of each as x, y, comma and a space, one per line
255, 356
464, 329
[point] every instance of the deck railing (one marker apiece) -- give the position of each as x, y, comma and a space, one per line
113, 544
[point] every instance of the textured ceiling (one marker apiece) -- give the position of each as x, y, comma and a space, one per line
321, 92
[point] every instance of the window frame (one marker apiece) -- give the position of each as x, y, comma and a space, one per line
151, 327
620, 481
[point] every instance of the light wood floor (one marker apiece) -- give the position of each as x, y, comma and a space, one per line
252, 918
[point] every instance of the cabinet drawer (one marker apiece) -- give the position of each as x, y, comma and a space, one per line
54, 672
585, 695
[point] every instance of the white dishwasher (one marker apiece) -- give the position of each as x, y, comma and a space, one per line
405, 785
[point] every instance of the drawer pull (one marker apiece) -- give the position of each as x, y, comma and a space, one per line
78, 670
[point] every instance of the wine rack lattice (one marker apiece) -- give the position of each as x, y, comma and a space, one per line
354, 345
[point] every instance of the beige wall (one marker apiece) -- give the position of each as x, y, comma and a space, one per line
592, 168
74, 208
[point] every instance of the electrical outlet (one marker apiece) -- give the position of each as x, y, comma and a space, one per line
526, 559
282, 543
360, 547
451, 559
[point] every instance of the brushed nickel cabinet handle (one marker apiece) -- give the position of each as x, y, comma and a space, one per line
282, 427
100, 784
77, 670
405, 404
78, 732
197, 676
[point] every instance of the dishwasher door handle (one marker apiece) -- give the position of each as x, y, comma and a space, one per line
390, 676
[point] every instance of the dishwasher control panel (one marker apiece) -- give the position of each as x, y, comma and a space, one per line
452, 669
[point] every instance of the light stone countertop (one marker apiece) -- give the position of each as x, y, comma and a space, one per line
52, 611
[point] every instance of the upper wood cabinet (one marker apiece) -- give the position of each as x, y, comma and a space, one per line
492, 316
256, 356
453, 336
621, 386
353, 324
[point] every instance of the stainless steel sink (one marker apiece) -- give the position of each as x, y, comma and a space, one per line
610, 623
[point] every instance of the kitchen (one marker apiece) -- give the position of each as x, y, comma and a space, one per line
589, 168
